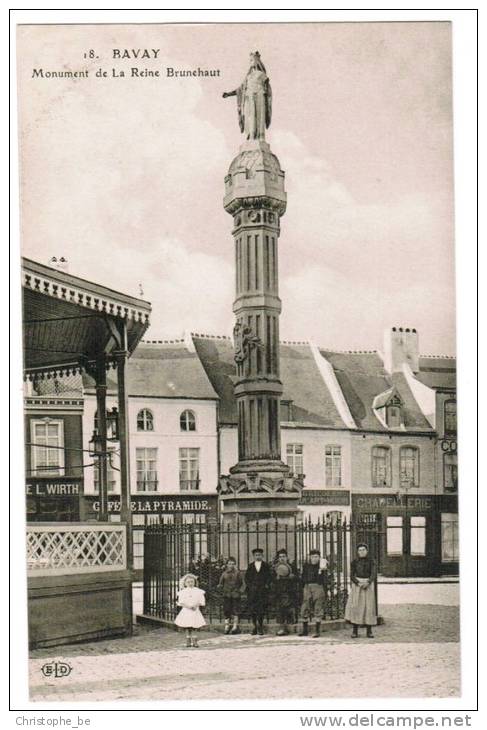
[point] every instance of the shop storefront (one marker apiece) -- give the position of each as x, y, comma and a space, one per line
417, 532
54, 499
320, 504
152, 509
448, 531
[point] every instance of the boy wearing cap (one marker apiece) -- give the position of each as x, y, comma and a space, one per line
283, 592
313, 579
257, 583
230, 585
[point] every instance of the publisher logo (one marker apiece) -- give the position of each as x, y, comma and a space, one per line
56, 669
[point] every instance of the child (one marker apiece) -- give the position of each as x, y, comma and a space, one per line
257, 582
190, 598
231, 586
313, 578
283, 592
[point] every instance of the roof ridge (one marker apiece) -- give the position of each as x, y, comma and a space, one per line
349, 352
294, 342
210, 337
162, 342
442, 357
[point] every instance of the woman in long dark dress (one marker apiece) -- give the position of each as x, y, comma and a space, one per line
361, 608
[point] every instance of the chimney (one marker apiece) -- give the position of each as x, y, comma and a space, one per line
401, 346
61, 264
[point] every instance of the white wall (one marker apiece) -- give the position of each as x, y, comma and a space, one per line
167, 437
228, 448
314, 442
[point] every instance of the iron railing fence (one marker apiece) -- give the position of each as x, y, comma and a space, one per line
171, 550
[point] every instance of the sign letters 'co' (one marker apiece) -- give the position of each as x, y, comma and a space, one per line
449, 446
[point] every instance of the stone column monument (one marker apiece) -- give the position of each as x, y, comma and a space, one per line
259, 485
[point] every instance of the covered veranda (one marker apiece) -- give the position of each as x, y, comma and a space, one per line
73, 326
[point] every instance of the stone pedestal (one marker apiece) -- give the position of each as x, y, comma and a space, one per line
259, 486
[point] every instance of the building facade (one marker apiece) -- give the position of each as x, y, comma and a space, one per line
53, 456
173, 441
403, 463
374, 435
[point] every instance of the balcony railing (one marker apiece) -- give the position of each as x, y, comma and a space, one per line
189, 485
75, 548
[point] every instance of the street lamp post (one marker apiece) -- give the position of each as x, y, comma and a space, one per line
99, 451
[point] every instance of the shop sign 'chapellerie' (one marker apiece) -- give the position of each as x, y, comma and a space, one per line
402, 502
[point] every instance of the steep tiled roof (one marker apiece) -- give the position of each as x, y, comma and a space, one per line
304, 385
216, 357
164, 370
437, 371
302, 382
167, 370
173, 369
362, 377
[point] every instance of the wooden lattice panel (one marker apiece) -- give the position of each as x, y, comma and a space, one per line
56, 550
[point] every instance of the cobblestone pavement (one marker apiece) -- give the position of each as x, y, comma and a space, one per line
153, 664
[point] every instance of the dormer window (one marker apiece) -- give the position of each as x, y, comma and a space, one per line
394, 413
389, 408
450, 416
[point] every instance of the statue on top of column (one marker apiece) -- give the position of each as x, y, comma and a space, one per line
254, 100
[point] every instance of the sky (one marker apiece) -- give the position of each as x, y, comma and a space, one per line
124, 176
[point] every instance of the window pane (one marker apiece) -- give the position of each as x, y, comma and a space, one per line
394, 536
145, 420
333, 466
418, 535
393, 416
47, 461
409, 467
189, 468
294, 458
418, 521
380, 466
187, 421
449, 537
146, 460
450, 472
40, 430
394, 522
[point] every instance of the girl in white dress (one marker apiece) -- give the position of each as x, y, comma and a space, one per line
190, 598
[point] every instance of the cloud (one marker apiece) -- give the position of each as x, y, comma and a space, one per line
359, 263
125, 178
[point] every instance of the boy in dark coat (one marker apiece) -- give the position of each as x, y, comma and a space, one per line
231, 584
257, 582
284, 589
313, 579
